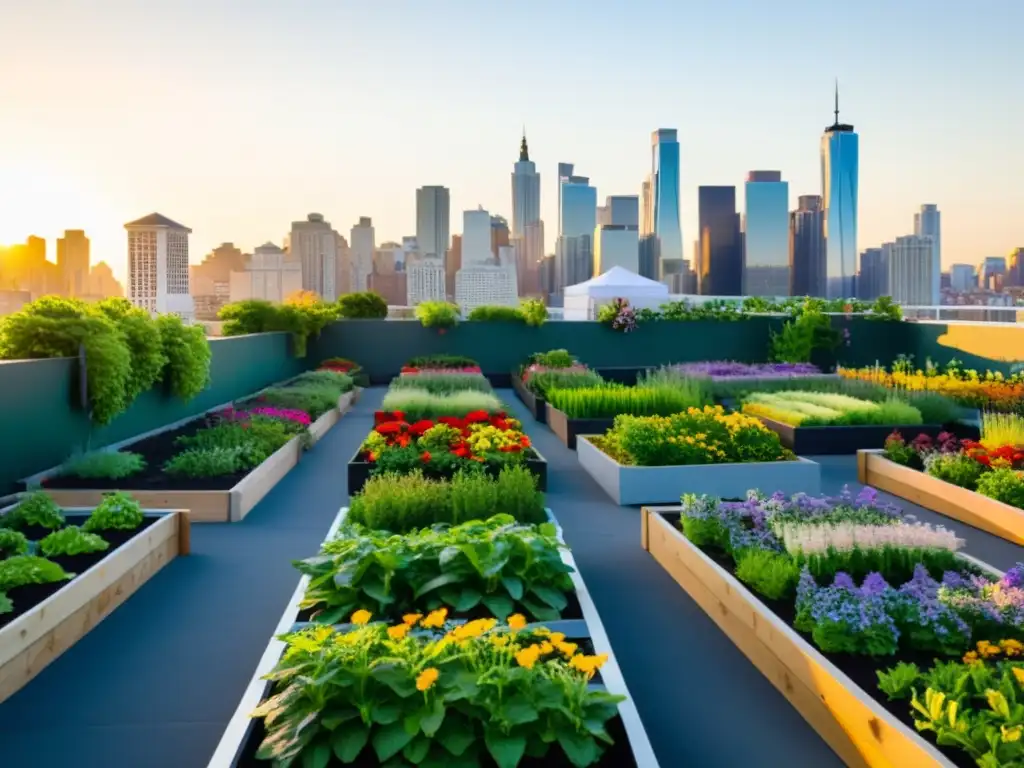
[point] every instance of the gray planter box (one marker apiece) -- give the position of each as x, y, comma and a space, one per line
665, 485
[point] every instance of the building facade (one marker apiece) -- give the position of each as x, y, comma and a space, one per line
314, 244
664, 180
766, 235
480, 285
616, 245
425, 281
928, 223
721, 251
840, 165
807, 255
477, 249
873, 276
911, 264
963, 278
270, 275
158, 266
992, 274
577, 214
433, 221
525, 192
73, 262
363, 244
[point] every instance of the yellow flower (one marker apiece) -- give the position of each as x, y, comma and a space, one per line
426, 679
359, 618
1018, 672
435, 619
557, 637
970, 657
1011, 734
411, 618
516, 621
988, 650
474, 628
546, 647
1012, 647
568, 649
588, 664
528, 656
398, 631
499, 641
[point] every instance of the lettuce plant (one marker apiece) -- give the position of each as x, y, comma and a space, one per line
12, 542
22, 570
71, 541
35, 510
117, 512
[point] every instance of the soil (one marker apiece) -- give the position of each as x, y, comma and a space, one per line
156, 450
28, 597
862, 670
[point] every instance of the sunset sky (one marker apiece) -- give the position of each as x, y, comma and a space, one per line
235, 117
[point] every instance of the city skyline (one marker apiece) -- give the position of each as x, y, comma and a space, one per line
244, 176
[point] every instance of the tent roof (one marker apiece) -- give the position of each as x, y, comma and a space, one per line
617, 279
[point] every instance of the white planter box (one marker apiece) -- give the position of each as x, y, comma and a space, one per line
665, 485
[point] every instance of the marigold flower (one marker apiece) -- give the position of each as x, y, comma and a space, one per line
528, 656
474, 628
557, 637
426, 679
971, 657
516, 621
425, 457
411, 618
588, 664
435, 619
567, 649
359, 618
398, 631
499, 640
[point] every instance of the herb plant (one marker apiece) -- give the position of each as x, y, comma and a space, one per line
441, 383
72, 541
419, 404
609, 400
1005, 485
117, 512
37, 509
109, 465
434, 362
12, 542
22, 570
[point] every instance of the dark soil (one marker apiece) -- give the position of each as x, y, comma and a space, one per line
157, 450
28, 597
862, 670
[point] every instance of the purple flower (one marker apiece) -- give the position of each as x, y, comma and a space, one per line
843, 580
1015, 576
874, 584
725, 369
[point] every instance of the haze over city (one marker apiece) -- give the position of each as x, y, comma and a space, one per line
236, 119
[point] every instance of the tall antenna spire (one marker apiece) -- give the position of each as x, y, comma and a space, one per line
524, 152
837, 101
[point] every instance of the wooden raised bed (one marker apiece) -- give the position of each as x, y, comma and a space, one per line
33, 640
860, 730
221, 506
241, 730
842, 440
566, 429
534, 403
968, 507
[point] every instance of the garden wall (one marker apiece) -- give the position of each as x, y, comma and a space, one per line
41, 423
982, 346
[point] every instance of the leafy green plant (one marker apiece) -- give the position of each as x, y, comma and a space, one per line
231, 446
555, 358
72, 541
809, 332
498, 564
610, 400
241, 318
541, 382
110, 465
419, 404
302, 316
898, 682
212, 462
490, 313
142, 335
37, 509
437, 314
188, 354
315, 396
534, 311
22, 570
364, 305
117, 512
956, 468
815, 409
1005, 485
442, 383
441, 361
772, 574
12, 542
886, 309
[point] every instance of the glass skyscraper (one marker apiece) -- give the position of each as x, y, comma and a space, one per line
839, 172
766, 235
721, 252
665, 199
577, 216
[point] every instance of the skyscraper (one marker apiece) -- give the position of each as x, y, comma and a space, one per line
807, 266
928, 223
433, 218
963, 278
363, 245
911, 263
476, 238
577, 215
665, 194
1015, 268
992, 273
873, 276
314, 244
648, 240
839, 174
525, 192
158, 266
500, 235
766, 235
73, 261
721, 252
425, 281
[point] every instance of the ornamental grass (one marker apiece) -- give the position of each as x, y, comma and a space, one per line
820, 409
419, 404
989, 391
540, 380
999, 429
442, 383
609, 400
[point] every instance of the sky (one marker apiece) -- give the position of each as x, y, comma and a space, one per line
236, 117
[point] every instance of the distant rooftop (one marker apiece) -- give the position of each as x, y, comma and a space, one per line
156, 220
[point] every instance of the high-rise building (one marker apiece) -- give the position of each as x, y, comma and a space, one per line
210, 281
1015, 268
433, 218
476, 238
962, 278
873, 276
102, 283
992, 274
500, 235
478, 285
807, 257
73, 262
721, 252
648, 240
158, 266
393, 288
928, 223
387, 258
269, 275
577, 214
766, 235
314, 244
616, 245
525, 192
362, 241
452, 265
839, 179
622, 210
425, 281
343, 280
664, 181
530, 254
911, 263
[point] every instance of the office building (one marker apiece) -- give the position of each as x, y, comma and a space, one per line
452, 265
425, 280
363, 244
721, 252
911, 264
1015, 268
873, 276
343, 280
476, 238
530, 252
478, 285
269, 275
73, 262
766, 235
993, 273
102, 283
839, 180
664, 183
577, 215
807, 257
525, 192
962, 278
648, 240
616, 245
500, 235
393, 288
387, 258
928, 223
433, 218
158, 266
314, 244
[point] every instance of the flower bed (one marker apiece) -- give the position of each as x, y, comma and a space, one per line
441, 448
985, 391
727, 369
533, 382
830, 598
218, 466
438, 363
648, 460
420, 404
86, 562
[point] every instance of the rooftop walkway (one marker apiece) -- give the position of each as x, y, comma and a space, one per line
154, 685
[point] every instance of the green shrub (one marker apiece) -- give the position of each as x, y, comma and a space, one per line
142, 335
772, 574
441, 361
570, 378
301, 316
211, 462
108, 465
315, 397
437, 314
610, 400
442, 383
419, 404
22, 570
1005, 485
241, 318
815, 409
956, 468
188, 355
71, 541
363, 305
37, 509
555, 358
534, 311
12, 543
496, 314
117, 512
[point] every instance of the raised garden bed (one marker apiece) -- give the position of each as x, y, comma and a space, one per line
221, 499
567, 429
995, 517
632, 749
843, 440
833, 699
534, 403
58, 615
359, 471
628, 485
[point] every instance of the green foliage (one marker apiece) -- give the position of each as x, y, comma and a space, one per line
35, 510
301, 318
496, 314
6, 606
12, 543
900, 451
419, 404
808, 332
316, 393
22, 570
898, 682
251, 316
609, 399
211, 462
499, 564
1005, 485
108, 465
71, 541
142, 335
956, 468
555, 358
442, 383
117, 512
534, 311
437, 314
571, 378
771, 574
401, 503
229, 447
441, 361
885, 308
817, 409
188, 354
363, 305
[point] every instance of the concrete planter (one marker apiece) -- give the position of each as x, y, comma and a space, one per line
665, 485
534, 403
566, 428
847, 440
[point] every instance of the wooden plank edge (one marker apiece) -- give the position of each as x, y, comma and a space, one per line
250, 490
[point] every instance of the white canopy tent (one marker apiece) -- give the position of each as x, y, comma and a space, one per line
582, 300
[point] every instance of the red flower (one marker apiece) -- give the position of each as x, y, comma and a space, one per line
510, 448
525, 441
425, 457
420, 427
461, 450
403, 440
475, 417
499, 423
391, 427
452, 421
382, 417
